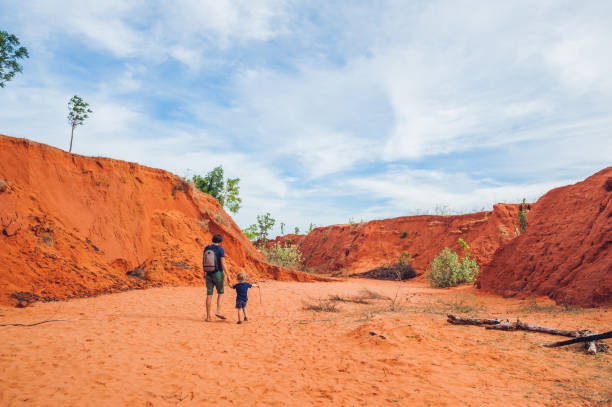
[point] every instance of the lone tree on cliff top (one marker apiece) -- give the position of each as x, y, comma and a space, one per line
10, 52
223, 190
78, 111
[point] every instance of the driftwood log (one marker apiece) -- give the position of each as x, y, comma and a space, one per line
584, 335
602, 347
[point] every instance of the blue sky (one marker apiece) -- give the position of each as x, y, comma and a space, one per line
327, 111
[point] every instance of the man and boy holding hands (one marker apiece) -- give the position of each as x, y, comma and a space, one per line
217, 271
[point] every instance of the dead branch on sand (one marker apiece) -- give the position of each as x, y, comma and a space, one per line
589, 338
49, 320
591, 345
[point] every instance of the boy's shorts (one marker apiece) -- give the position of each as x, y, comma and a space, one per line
214, 280
240, 304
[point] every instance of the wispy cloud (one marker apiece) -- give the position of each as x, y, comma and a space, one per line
327, 110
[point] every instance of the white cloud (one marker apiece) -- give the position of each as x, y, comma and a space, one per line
409, 190
153, 31
580, 55
226, 21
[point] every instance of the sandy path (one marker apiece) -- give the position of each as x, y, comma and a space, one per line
151, 348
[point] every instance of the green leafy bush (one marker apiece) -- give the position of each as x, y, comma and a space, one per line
288, 256
404, 234
447, 270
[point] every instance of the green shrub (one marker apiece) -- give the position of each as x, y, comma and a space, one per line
404, 259
404, 234
285, 256
447, 270
522, 216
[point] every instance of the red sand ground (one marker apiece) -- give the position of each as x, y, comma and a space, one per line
363, 246
151, 348
72, 226
566, 252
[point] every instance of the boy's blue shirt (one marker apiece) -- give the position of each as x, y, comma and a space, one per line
241, 291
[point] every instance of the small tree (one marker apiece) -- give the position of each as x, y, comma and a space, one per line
522, 216
78, 111
226, 192
282, 226
296, 230
265, 223
250, 232
230, 195
10, 52
465, 246
311, 227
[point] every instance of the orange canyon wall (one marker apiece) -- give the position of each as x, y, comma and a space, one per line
73, 226
363, 246
566, 252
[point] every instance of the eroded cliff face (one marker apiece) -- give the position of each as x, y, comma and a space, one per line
74, 226
363, 246
566, 252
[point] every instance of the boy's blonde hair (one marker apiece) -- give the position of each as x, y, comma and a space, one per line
242, 276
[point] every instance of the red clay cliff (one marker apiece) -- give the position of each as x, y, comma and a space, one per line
73, 226
566, 251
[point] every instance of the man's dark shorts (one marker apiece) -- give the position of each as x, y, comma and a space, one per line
214, 280
240, 304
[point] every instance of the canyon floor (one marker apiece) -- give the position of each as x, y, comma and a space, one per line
152, 348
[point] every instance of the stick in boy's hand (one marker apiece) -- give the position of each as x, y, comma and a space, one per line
259, 288
257, 284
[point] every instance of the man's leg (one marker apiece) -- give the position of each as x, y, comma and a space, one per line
208, 307
219, 285
219, 302
209, 294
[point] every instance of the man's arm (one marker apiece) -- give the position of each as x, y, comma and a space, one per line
226, 271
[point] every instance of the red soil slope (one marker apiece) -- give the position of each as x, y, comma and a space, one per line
364, 246
73, 226
566, 252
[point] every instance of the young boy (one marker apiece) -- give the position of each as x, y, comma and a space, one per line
241, 295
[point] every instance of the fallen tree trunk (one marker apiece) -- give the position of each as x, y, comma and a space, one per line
588, 338
591, 345
457, 320
519, 325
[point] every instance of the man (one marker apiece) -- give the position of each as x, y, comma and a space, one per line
216, 271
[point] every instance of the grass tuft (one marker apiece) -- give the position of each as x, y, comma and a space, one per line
322, 306
368, 294
356, 300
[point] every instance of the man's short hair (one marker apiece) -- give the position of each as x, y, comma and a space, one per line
217, 238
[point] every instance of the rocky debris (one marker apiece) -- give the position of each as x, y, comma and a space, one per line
397, 272
24, 298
